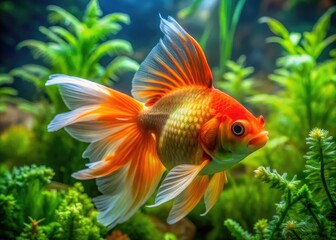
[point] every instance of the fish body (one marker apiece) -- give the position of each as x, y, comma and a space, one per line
176, 122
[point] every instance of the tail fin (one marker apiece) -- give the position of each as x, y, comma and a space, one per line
123, 157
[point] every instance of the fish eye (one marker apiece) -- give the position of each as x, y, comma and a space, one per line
238, 129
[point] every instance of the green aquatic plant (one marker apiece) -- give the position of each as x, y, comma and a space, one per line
7, 94
77, 47
237, 79
307, 78
81, 47
31, 209
306, 211
23, 140
229, 13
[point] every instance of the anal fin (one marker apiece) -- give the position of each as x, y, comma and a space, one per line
188, 199
214, 190
176, 181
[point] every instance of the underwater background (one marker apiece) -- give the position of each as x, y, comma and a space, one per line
277, 57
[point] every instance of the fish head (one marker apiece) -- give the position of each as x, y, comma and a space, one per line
236, 138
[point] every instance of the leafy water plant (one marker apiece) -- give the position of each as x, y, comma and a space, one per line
7, 94
306, 211
307, 77
78, 47
237, 80
31, 209
81, 47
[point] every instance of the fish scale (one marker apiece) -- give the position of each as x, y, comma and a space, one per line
176, 120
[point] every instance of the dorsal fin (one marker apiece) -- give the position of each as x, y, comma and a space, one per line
176, 61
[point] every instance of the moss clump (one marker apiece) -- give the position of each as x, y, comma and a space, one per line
29, 210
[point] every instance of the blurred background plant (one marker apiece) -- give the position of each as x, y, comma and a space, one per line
307, 81
81, 48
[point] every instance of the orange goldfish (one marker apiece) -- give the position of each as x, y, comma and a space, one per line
176, 122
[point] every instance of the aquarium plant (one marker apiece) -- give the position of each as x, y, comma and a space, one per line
80, 47
7, 94
306, 76
307, 208
237, 80
33, 207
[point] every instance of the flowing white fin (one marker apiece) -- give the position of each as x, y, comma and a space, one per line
188, 199
176, 181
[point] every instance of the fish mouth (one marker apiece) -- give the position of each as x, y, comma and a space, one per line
259, 140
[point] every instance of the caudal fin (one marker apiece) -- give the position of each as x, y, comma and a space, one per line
123, 158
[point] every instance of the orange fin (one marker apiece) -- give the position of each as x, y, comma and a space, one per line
214, 190
128, 188
123, 156
188, 199
175, 62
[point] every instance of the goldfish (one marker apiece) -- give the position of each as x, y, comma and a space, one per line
176, 125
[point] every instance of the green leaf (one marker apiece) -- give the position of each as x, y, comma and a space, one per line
294, 61
7, 91
51, 35
38, 49
92, 12
38, 70
27, 76
295, 38
275, 26
118, 66
112, 48
115, 17
29, 107
190, 10
5, 79
3, 107
321, 27
60, 15
65, 34
324, 44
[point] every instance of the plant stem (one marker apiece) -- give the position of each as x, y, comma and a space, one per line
325, 186
308, 99
296, 235
229, 13
284, 213
314, 216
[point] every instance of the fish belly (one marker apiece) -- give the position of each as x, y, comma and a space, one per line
176, 120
